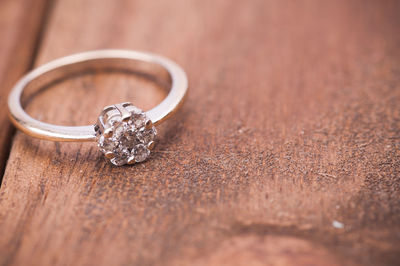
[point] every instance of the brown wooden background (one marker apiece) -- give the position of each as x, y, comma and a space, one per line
291, 126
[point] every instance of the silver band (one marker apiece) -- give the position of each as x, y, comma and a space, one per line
63, 67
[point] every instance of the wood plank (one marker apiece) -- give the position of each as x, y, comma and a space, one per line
286, 151
20, 21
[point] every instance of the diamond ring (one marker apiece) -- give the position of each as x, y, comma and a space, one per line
124, 133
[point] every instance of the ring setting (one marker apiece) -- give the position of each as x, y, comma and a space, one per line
125, 135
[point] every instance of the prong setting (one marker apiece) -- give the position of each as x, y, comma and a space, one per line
109, 154
125, 134
151, 145
108, 132
131, 160
149, 124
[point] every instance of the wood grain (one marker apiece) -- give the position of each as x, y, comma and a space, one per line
20, 22
286, 151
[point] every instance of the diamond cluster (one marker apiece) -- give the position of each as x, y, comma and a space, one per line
125, 134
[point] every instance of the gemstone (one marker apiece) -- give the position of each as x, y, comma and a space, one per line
138, 120
106, 144
119, 129
130, 138
141, 152
146, 135
121, 157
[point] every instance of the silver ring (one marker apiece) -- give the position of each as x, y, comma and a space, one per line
125, 134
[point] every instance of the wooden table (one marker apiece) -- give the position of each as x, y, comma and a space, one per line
286, 151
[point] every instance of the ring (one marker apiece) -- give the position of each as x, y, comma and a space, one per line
124, 133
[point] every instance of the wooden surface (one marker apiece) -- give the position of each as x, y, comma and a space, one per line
285, 153
20, 25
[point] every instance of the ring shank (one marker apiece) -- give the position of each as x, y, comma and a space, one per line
138, 62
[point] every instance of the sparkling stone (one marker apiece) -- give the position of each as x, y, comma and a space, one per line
130, 139
128, 142
121, 157
146, 135
141, 152
106, 144
138, 120
119, 129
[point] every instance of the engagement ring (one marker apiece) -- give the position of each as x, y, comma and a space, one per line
124, 133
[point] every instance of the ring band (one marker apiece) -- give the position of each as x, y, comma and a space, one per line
114, 121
